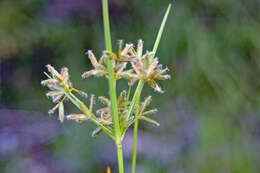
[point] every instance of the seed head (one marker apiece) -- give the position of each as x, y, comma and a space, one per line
144, 67
59, 86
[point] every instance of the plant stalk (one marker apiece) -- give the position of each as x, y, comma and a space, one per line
156, 44
138, 91
112, 87
133, 102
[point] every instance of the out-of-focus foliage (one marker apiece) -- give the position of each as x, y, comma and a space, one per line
209, 114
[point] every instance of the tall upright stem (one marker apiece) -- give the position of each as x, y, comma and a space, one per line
112, 87
135, 146
137, 95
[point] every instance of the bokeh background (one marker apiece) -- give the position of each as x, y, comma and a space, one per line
209, 113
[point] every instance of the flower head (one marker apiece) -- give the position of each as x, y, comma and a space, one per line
59, 86
105, 113
119, 61
146, 68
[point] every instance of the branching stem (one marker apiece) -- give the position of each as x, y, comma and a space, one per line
138, 95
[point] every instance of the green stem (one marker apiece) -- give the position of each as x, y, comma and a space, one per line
106, 25
112, 87
159, 34
120, 158
156, 44
125, 108
133, 102
139, 90
84, 109
132, 105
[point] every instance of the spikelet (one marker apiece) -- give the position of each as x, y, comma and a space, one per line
78, 117
59, 86
61, 112
144, 67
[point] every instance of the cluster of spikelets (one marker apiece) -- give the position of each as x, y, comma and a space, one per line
143, 67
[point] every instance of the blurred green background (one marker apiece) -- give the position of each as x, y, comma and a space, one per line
209, 113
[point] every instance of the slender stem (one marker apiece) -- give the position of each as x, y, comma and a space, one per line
84, 109
106, 25
125, 108
120, 158
112, 87
72, 100
136, 129
156, 44
132, 105
135, 145
133, 102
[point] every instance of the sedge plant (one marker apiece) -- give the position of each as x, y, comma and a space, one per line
121, 110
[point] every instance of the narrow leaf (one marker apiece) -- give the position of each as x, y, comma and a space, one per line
159, 35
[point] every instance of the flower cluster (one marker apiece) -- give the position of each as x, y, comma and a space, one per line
105, 113
60, 87
148, 69
144, 66
118, 61
117, 113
